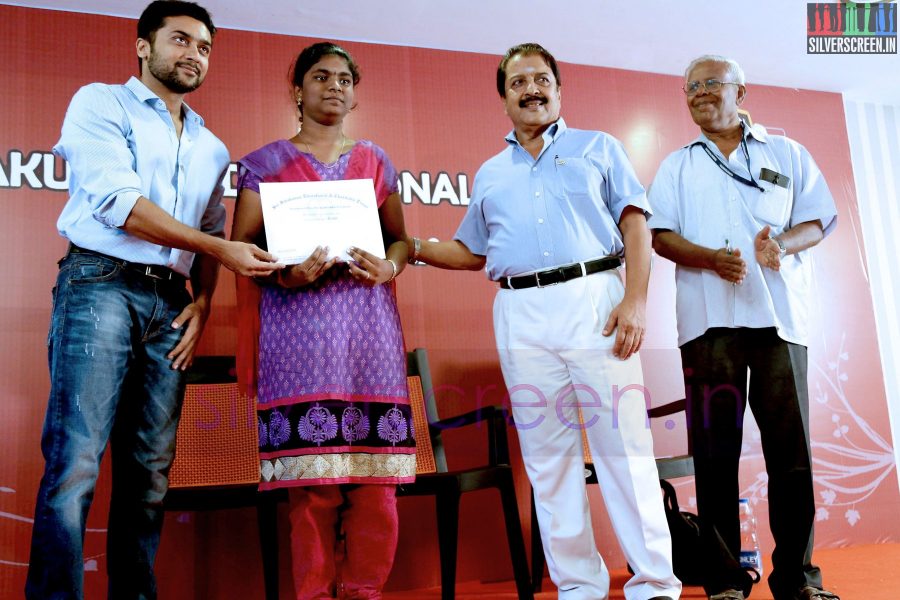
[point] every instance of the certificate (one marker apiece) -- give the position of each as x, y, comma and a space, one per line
301, 215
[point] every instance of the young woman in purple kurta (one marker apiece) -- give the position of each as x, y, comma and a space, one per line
333, 410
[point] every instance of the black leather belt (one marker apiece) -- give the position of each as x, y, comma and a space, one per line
152, 271
560, 274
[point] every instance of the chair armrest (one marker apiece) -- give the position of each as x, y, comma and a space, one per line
482, 413
497, 418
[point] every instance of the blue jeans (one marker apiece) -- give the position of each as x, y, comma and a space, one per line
110, 381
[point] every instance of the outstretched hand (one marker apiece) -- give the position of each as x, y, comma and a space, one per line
247, 259
768, 252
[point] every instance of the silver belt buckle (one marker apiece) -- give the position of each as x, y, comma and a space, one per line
537, 277
149, 273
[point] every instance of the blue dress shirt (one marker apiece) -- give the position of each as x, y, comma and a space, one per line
121, 144
563, 207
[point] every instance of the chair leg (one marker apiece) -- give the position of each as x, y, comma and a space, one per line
267, 522
537, 550
514, 537
448, 534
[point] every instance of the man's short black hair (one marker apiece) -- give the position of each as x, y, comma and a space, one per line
522, 49
157, 12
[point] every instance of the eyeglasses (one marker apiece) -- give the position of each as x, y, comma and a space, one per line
710, 85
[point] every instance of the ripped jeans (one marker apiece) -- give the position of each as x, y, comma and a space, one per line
110, 381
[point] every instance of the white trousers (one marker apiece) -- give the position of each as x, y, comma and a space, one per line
554, 359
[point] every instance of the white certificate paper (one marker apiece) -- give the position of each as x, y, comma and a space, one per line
299, 216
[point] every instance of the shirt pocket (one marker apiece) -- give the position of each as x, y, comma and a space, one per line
578, 178
772, 207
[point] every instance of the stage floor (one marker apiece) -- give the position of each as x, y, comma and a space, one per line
856, 573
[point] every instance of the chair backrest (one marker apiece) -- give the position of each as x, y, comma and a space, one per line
424, 453
217, 442
417, 370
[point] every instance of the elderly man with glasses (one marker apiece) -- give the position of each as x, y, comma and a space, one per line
737, 210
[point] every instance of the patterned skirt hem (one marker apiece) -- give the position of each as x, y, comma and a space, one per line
289, 483
269, 455
337, 468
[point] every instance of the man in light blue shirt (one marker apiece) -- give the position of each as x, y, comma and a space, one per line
551, 217
737, 211
145, 198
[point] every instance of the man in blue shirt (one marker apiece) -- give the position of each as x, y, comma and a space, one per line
551, 216
145, 196
737, 211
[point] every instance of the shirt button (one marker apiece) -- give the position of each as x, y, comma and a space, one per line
537, 194
540, 220
546, 254
534, 168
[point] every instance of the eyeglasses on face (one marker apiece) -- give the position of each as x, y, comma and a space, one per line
710, 85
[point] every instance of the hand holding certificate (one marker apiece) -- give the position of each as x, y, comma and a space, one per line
300, 216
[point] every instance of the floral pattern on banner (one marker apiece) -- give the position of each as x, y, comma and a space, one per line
847, 470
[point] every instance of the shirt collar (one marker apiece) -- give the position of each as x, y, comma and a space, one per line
552, 134
146, 95
756, 131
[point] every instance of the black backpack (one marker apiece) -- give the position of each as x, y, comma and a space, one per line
687, 551
691, 556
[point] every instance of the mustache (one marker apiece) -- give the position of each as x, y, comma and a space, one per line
190, 66
529, 98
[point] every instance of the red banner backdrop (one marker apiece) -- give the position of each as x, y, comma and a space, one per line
438, 116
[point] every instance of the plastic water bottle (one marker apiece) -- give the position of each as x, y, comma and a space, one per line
750, 555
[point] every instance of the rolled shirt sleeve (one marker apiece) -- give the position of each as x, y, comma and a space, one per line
95, 143
213, 220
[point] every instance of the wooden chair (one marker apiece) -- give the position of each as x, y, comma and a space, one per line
671, 467
217, 456
434, 478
